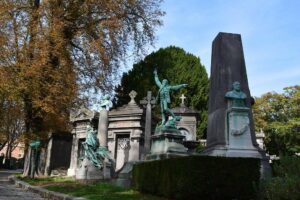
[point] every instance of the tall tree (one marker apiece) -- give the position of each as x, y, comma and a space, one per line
278, 115
177, 66
53, 53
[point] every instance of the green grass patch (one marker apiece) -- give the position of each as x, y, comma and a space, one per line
99, 191
47, 180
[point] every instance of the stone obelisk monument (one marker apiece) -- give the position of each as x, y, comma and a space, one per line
224, 138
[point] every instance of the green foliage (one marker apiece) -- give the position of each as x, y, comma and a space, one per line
279, 117
101, 191
286, 183
98, 191
46, 180
199, 177
178, 67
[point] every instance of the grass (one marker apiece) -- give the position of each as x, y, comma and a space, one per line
99, 191
47, 180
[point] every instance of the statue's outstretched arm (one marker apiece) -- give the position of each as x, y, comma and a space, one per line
158, 83
177, 87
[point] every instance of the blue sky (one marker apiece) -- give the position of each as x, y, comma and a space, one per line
270, 32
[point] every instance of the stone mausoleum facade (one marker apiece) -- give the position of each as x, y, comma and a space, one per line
125, 133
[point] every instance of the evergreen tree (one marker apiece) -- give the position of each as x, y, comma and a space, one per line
178, 67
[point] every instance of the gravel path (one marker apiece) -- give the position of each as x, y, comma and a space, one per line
8, 191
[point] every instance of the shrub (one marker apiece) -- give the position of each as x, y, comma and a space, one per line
286, 181
199, 177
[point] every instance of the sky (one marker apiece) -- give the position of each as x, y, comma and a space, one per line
270, 31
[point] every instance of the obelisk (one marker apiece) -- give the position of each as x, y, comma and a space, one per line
227, 67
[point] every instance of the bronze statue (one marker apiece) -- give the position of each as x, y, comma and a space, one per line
164, 96
92, 150
236, 96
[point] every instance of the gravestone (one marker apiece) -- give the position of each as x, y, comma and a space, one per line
227, 67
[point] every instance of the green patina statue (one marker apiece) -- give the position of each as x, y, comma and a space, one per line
236, 96
237, 116
92, 151
35, 144
105, 102
165, 100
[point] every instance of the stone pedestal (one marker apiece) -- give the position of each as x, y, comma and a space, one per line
87, 171
237, 135
166, 144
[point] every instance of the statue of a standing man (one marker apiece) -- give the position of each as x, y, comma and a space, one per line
164, 95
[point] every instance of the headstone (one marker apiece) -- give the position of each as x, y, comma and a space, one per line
148, 102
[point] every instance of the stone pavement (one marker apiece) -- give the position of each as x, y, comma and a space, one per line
8, 191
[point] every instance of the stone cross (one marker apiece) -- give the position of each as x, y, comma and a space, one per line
182, 100
148, 102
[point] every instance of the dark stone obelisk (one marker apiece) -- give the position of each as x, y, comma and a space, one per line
227, 66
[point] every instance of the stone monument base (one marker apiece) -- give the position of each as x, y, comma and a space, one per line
224, 151
71, 172
124, 178
166, 144
88, 171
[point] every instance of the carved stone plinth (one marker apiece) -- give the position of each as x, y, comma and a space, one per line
166, 144
87, 171
237, 135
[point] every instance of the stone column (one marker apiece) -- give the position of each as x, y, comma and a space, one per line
48, 158
102, 127
148, 102
74, 155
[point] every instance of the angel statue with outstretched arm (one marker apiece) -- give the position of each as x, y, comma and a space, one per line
164, 96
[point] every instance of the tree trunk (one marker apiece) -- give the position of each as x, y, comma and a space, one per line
34, 162
26, 169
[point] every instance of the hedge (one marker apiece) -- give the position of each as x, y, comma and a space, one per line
199, 177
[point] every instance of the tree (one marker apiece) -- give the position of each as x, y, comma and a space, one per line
177, 66
11, 125
55, 52
278, 115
